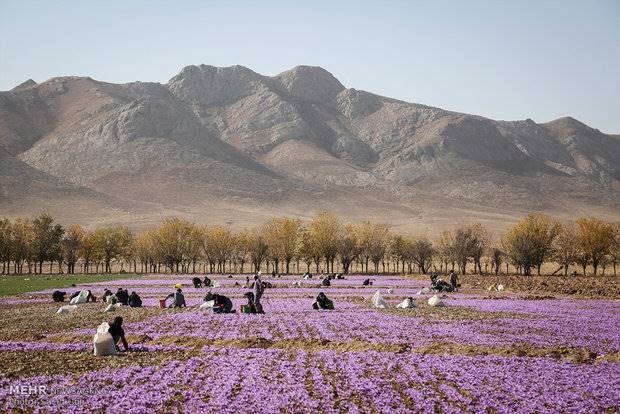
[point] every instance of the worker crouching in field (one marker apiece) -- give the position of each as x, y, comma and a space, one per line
197, 282
123, 296
178, 300
258, 293
134, 300
322, 302
58, 296
106, 293
454, 280
221, 303
118, 333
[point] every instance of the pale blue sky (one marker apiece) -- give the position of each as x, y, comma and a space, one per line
505, 60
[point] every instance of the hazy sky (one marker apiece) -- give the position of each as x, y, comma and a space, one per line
505, 60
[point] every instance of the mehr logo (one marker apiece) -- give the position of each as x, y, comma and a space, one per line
28, 390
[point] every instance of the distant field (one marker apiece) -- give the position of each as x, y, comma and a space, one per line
14, 284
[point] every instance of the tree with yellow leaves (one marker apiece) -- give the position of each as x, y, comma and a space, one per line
348, 249
282, 238
21, 240
595, 240
257, 248
421, 253
614, 250
566, 246
529, 243
143, 247
325, 230
71, 245
218, 247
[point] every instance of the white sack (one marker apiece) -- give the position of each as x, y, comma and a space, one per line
378, 301
66, 309
81, 298
435, 301
103, 343
406, 304
207, 305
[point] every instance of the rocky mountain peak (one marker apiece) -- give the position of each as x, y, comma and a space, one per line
25, 85
311, 83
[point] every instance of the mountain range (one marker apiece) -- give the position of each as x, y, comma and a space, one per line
229, 145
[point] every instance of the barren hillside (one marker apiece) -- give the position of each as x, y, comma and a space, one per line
231, 145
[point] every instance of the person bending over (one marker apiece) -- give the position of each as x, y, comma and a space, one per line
58, 296
322, 302
178, 300
221, 303
118, 333
134, 300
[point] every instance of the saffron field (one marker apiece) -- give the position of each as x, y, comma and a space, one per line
483, 352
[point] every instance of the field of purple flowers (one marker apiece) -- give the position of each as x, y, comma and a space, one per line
482, 352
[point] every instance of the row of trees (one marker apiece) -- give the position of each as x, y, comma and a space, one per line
178, 245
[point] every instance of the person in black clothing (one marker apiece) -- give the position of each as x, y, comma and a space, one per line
118, 333
322, 302
122, 296
197, 282
325, 282
366, 282
91, 297
443, 286
454, 280
106, 293
58, 296
178, 299
206, 282
134, 300
221, 303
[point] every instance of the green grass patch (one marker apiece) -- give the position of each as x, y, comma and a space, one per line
14, 284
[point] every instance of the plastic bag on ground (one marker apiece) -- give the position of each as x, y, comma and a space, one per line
406, 304
103, 341
216, 284
424, 291
297, 283
378, 301
435, 301
80, 298
500, 288
207, 305
390, 291
66, 309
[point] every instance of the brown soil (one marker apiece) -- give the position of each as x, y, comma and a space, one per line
308, 345
576, 355
35, 322
578, 286
451, 313
29, 363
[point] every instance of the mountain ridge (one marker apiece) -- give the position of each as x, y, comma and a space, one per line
294, 143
